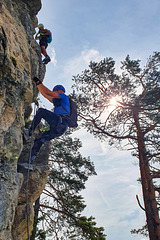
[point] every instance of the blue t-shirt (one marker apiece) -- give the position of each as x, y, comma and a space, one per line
61, 104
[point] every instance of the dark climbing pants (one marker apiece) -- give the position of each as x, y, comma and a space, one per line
44, 43
58, 126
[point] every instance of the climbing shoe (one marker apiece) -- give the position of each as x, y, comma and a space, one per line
46, 60
26, 166
26, 134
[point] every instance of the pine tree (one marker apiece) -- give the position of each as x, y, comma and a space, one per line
124, 109
61, 204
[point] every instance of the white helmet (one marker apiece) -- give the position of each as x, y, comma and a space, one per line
40, 25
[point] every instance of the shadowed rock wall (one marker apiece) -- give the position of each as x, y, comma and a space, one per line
20, 61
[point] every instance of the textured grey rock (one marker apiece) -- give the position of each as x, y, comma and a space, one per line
20, 61
36, 184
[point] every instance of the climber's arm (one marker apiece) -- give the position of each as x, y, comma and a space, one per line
46, 32
37, 37
47, 93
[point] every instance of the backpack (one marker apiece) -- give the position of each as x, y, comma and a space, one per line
49, 38
73, 114
73, 111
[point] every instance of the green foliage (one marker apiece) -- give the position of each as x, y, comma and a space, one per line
89, 230
143, 231
45, 127
137, 93
134, 88
69, 165
132, 66
41, 235
38, 233
62, 203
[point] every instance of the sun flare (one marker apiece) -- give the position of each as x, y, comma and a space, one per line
113, 101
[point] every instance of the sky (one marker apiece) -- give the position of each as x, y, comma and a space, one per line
90, 30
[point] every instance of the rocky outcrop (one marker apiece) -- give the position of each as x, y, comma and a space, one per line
32, 187
20, 61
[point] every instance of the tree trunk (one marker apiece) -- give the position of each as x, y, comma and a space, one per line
36, 211
150, 203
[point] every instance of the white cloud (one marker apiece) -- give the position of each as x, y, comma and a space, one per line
91, 55
79, 63
53, 57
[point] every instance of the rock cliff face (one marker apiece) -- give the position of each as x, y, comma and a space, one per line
20, 61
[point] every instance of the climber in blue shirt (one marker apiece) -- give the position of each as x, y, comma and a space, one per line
57, 120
